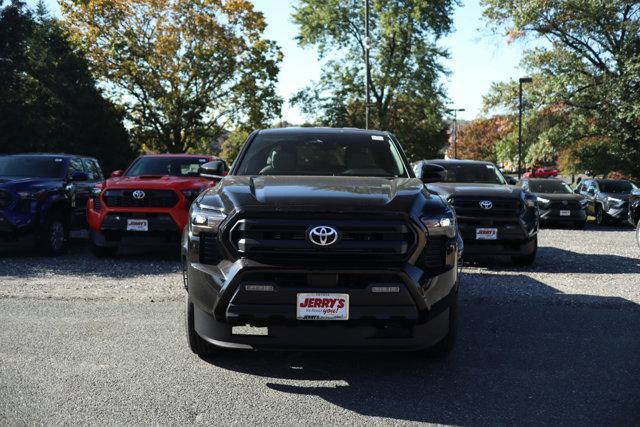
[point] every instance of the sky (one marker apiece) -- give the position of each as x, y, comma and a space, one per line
477, 57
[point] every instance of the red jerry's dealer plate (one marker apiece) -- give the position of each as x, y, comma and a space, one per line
322, 307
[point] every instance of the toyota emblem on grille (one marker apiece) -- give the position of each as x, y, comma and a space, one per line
323, 235
486, 204
138, 194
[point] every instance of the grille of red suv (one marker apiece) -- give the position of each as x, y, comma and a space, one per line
285, 239
470, 206
151, 199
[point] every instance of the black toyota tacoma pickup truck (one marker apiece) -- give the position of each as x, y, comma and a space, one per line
494, 218
320, 239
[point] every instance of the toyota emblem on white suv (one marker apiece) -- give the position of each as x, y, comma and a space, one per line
323, 235
486, 204
138, 194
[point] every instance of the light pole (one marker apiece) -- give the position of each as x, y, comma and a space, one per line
521, 81
455, 129
367, 111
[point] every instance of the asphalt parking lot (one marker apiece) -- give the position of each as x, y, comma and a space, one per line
101, 341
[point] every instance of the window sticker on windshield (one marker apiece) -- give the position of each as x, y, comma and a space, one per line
377, 137
57, 160
489, 167
202, 160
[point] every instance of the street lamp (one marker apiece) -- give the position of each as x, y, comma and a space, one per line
455, 129
521, 81
367, 40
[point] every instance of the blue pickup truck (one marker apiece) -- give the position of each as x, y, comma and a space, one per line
43, 197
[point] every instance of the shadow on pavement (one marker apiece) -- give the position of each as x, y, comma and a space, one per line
523, 362
555, 260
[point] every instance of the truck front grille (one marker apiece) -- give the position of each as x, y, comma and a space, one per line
5, 199
286, 239
570, 205
151, 199
470, 206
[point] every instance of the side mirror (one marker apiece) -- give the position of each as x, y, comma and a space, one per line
591, 191
511, 180
79, 176
213, 170
430, 172
117, 173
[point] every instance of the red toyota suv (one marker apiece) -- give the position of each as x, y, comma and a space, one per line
148, 204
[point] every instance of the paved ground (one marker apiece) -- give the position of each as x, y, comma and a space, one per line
101, 342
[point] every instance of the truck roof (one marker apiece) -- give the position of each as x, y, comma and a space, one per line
311, 130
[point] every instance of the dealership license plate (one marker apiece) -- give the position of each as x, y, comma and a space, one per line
565, 213
322, 307
137, 225
486, 234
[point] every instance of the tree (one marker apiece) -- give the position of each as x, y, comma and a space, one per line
477, 140
184, 70
405, 71
232, 145
587, 67
48, 98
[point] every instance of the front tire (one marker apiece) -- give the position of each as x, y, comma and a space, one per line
601, 215
526, 260
54, 235
443, 348
195, 341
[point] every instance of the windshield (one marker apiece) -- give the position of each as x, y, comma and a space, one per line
549, 186
620, 187
477, 173
32, 166
322, 154
161, 166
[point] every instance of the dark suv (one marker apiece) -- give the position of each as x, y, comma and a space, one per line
321, 239
557, 202
494, 218
608, 199
44, 196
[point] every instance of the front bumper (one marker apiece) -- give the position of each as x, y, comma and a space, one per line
575, 215
17, 229
618, 212
413, 318
514, 237
108, 226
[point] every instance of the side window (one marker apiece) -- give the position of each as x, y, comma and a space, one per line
525, 185
92, 169
75, 165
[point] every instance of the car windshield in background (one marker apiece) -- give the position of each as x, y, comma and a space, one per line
31, 166
619, 187
549, 187
322, 154
478, 173
161, 166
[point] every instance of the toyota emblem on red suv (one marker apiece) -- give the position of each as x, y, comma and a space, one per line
138, 194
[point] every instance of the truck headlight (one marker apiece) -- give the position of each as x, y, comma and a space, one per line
543, 202
206, 220
614, 200
441, 225
30, 195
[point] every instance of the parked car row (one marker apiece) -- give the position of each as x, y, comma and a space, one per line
43, 197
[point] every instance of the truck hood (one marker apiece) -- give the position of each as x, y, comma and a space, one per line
478, 190
156, 183
556, 196
322, 193
22, 184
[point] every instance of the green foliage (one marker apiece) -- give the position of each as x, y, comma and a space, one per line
232, 145
184, 70
48, 98
405, 67
587, 74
